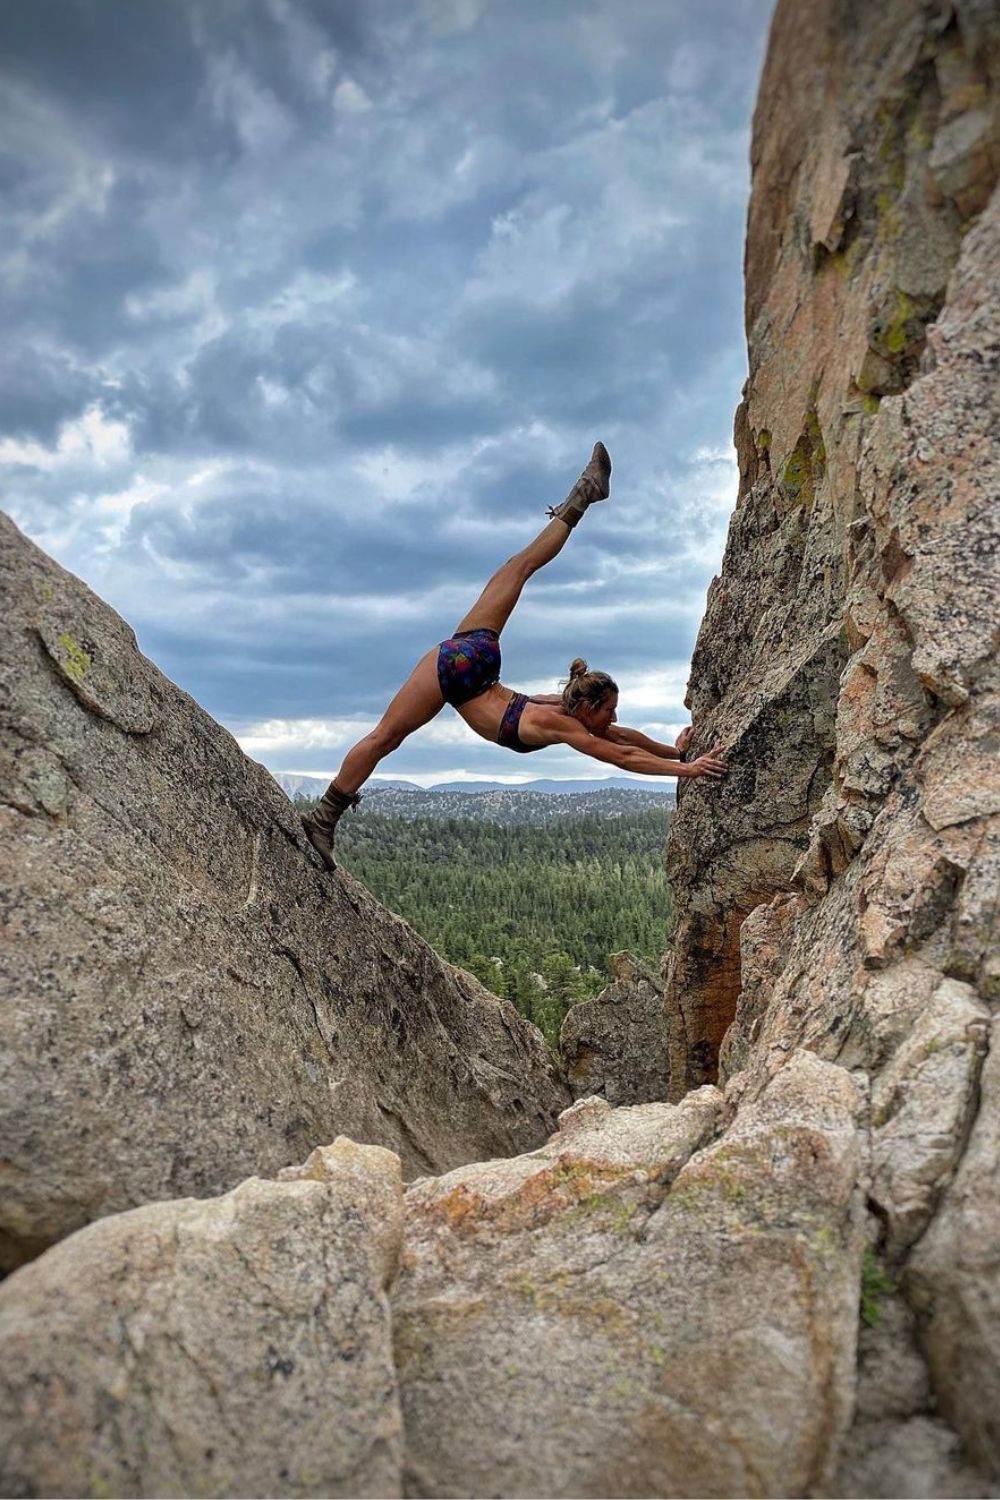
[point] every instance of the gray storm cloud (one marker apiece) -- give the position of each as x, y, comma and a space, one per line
313, 307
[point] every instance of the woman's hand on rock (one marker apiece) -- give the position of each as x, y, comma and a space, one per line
683, 740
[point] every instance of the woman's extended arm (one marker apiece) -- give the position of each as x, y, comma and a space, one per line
566, 730
619, 734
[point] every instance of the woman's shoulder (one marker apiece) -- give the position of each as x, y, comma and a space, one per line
547, 712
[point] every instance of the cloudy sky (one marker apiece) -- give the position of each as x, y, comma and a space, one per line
311, 307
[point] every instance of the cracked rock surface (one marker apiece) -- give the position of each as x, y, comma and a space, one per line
651, 1304
841, 891
848, 654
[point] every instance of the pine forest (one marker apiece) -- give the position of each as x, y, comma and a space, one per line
534, 912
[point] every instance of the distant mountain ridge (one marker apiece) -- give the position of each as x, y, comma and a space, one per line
315, 786
514, 804
492, 803
553, 787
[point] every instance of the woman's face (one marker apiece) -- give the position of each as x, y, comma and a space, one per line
598, 720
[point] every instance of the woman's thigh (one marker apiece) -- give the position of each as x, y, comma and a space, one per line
495, 604
418, 700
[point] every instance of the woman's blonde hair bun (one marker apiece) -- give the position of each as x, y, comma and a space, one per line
586, 687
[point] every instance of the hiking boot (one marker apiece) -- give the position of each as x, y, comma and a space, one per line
320, 824
593, 484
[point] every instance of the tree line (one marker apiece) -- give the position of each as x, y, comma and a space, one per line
534, 912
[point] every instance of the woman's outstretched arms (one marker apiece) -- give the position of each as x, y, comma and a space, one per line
619, 734
564, 730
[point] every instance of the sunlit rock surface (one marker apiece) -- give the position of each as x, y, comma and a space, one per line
638, 1309
224, 1346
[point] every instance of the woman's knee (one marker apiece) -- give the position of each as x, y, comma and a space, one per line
386, 737
516, 564
519, 568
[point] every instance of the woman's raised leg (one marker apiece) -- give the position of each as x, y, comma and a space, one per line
493, 608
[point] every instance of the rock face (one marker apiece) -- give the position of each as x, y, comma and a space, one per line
229, 1346
899, 1445
616, 1044
847, 656
840, 891
953, 1282
636, 1308
188, 996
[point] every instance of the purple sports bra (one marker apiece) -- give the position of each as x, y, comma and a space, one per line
508, 735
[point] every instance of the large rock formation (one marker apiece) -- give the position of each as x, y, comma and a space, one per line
840, 891
638, 1309
847, 657
598, 1317
188, 997
230, 1346
616, 1044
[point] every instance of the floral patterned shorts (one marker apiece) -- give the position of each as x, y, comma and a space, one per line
468, 663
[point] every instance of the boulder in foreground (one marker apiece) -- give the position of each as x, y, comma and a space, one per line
638, 1309
229, 1346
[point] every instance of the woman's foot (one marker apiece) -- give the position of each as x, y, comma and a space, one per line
593, 484
321, 823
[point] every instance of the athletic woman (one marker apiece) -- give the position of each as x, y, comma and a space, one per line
464, 671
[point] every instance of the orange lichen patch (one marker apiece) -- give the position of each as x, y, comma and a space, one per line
565, 1184
456, 1207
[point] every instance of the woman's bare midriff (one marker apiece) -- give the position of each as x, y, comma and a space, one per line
484, 714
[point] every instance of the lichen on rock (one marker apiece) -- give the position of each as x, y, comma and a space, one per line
602, 1317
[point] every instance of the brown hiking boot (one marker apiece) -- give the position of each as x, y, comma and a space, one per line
320, 824
593, 484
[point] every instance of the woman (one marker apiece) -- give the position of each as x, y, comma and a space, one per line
464, 671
